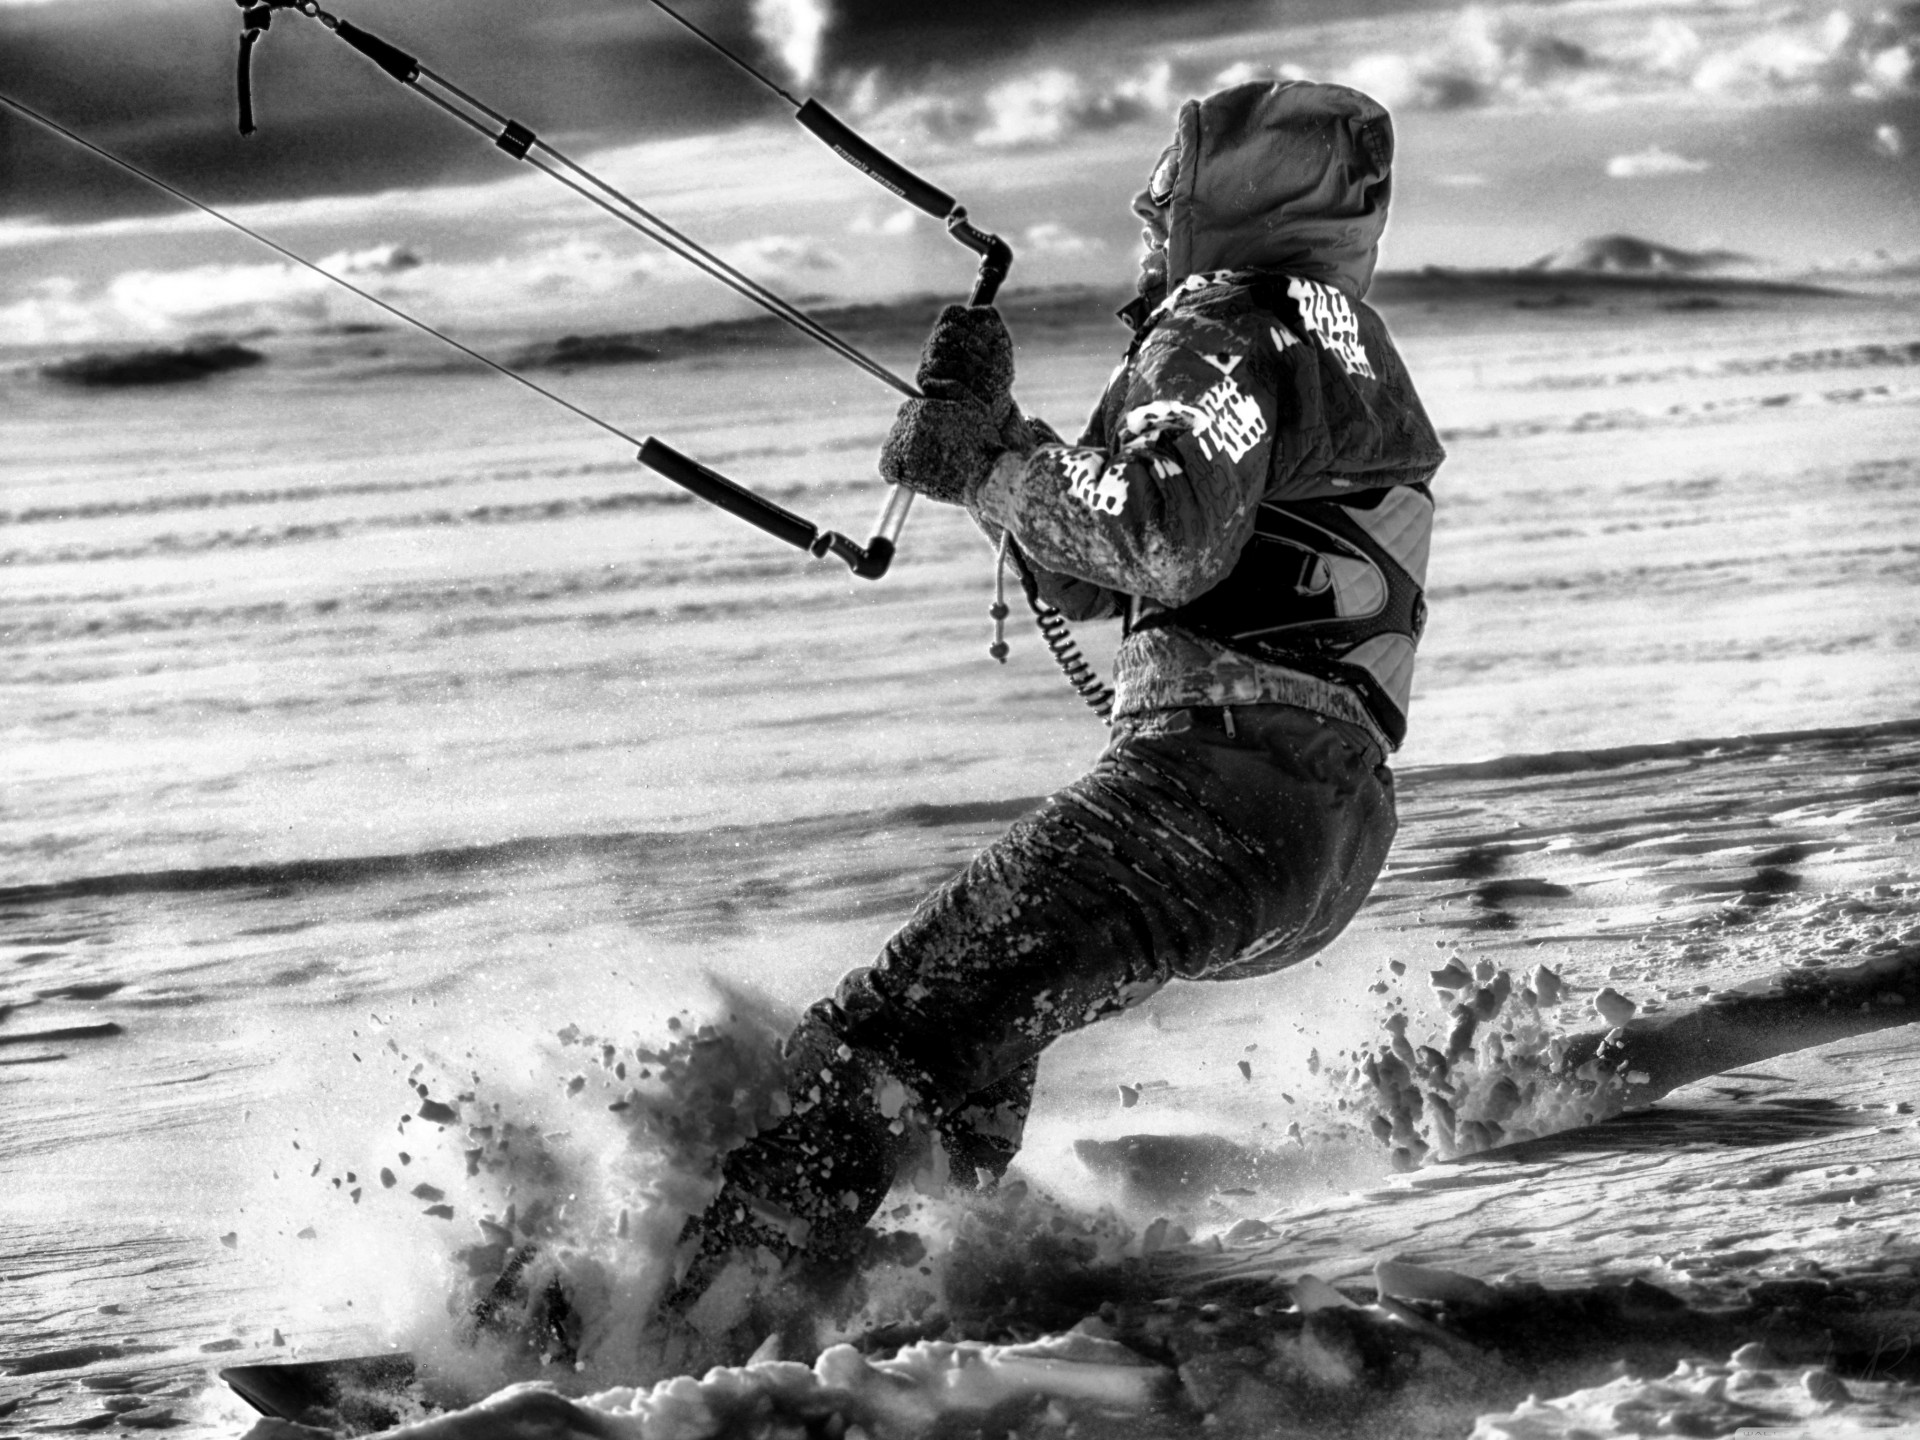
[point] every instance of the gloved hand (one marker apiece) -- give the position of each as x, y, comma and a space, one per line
940, 448
969, 353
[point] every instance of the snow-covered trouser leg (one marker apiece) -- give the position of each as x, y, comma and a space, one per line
1187, 852
810, 1182
1201, 846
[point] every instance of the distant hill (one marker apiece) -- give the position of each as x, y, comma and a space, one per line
196, 360
1609, 270
1631, 255
574, 351
895, 328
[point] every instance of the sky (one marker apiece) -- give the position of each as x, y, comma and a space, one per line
1790, 133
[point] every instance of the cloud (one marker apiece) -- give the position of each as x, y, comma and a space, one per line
775, 256
1771, 63
1670, 47
1487, 57
148, 304
1050, 237
1028, 110
1037, 109
793, 30
517, 251
1653, 163
894, 222
1490, 57
376, 260
1889, 141
1047, 106
1841, 55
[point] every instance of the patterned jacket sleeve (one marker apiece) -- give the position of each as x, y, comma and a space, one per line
1165, 506
1074, 598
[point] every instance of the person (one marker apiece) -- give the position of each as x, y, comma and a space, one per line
1251, 501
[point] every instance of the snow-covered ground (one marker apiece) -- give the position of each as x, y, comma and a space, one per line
370, 724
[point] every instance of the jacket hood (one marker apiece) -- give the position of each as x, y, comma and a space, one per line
1284, 175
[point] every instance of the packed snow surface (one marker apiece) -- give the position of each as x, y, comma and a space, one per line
391, 765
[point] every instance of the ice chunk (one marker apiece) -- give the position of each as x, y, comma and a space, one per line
1311, 1293
1613, 1007
1401, 1280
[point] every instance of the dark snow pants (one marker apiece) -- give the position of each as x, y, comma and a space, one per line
1205, 844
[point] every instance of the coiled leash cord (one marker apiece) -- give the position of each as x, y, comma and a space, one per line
1086, 682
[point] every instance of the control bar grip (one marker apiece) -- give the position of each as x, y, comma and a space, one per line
882, 168
734, 498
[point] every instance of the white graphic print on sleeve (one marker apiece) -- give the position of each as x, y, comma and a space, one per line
1232, 420
1096, 482
1144, 424
1226, 420
1327, 313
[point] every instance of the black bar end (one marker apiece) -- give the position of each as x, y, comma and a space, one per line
390, 58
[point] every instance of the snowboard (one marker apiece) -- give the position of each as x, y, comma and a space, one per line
357, 1396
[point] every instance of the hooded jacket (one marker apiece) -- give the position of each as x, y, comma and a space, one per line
1251, 493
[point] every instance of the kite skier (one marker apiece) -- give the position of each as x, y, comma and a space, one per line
1250, 500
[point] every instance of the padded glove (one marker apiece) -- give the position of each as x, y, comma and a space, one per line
969, 351
940, 448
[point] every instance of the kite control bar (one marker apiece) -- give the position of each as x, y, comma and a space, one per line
996, 256
996, 259
870, 561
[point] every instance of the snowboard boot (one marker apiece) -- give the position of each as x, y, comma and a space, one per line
983, 1134
807, 1186
538, 1317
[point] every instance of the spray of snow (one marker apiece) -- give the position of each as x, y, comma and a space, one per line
1491, 1067
564, 1197
793, 30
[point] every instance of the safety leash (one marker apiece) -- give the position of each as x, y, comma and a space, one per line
1086, 682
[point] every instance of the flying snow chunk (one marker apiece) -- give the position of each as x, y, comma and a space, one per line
1890, 142
1613, 1007
1653, 163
